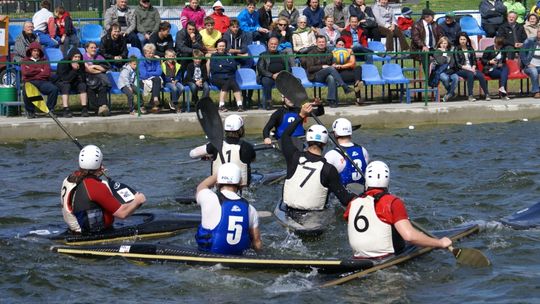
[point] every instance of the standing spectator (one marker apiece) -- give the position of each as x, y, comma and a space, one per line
290, 12
366, 18
531, 63
23, 41
97, 82
44, 26
387, 27
66, 34
405, 21
147, 19
465, 66
193, 12
531, 26
355, 39
38, 72
450, 27
303, 37
284, 35
268, 67
265, 14
162, 39
209, 35
248, 19
122, 14
348, 70
187, 40
113, 46
513, 33
443, 68
320, 69
150, 76
517, 7
237, 41
172, 79
425, 35
221, 20
223, 71
494, 62
340, 13
314, 14
330, 32
71, 77
197, 76
127, 83
492, 13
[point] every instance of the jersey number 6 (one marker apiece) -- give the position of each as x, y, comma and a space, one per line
362, 218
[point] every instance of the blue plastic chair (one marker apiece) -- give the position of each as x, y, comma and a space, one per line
135, 52
256, 50
53, 54
378, 47
173, 31
392, 73
113, 77
14, 31
91, 32
301, 74
247, 80
441, 20
470, 26
371, 77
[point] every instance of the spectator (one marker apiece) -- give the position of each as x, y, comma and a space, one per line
268, 68
465, 66
450, 27
513, 33
209, 35
443, 68
283, 33
113, 46
38, 72
97, 82
330, 32
162, 39
238, 40
265, 14
425, 35
366, 18
340, 13
517, 7
303, 37
385, 18
122, 14
71, 77
494, 61
320, 69
223, 71
314, 14
492, 13
172, 79
347, 68
290, 12
248, 19
127, 83
193, 12
147, 19
531, 63
354, 38
23, 41
197, 76
44, 26
221, 20
405, 21
187, 40
531, 26
150, 76
66, 34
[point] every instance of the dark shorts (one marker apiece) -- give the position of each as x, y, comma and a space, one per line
67, 87
226, 84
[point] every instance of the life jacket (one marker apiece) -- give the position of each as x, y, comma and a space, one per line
304, 190
287, 119
89, 215
231, 153
231, 235
66, 194
350, 175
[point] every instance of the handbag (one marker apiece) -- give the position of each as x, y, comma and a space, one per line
97, 81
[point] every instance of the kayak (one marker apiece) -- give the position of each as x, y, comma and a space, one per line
190, 256
137, 226
303, 223
525, 218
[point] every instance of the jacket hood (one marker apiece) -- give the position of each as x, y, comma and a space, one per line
72, 52
32, 46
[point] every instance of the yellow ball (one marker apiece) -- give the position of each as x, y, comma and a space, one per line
341, 55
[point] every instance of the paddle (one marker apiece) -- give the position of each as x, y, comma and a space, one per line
208, 116
122, 192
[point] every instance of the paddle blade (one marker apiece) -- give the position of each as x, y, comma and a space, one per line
208, 116
34, 96
471, 257
291, 87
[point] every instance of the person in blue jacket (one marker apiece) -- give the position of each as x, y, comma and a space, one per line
150, 75
249, 22
223, 75
314, 14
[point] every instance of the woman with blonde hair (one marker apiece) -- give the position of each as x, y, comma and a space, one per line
290, 12
443, 63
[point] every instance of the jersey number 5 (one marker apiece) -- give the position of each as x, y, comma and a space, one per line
362, 218
234, 230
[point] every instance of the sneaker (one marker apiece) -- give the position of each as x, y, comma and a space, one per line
505, 97
84, 112
67, 113
241, 109
143, 110
30, 115
488, 98
537, 95
172, 106
446, 98
346, 89
472, 99
155, 109
223, 109
103, 110
502, 90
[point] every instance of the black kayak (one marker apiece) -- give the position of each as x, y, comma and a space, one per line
137, 226
525, 218
162, 253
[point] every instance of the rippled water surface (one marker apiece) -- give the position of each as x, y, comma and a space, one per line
447, 175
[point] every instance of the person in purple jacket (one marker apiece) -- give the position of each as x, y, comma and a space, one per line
249, 22
150, 75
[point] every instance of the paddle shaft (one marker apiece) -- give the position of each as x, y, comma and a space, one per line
73, 139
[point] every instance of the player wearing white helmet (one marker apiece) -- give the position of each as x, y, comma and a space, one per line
225, 209
88, 204
235, 150
309, 177
350, 177
378, 223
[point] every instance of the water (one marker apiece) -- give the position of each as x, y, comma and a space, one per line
447, 175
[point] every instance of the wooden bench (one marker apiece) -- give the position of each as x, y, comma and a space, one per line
4, 107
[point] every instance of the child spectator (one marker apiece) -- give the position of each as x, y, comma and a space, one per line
197, 76
221, 20
209, 35
66, 35
172, 79
126, 83
405, 21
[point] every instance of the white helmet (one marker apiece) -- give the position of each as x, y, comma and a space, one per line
342, 127
377, 175
233, 123
317, 133
229, 174
90, 158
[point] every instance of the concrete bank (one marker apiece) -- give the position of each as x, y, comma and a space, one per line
14, 129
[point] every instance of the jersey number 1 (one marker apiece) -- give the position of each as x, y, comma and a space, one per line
234, 230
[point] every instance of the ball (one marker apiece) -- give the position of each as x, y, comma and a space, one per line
142, 136
411, 127
341, 55
468, 123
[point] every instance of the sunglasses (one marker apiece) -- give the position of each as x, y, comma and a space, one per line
281, 24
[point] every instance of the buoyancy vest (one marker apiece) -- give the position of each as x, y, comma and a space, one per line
231, 153
349, 174
67, 211
231, 235
287, 119
304, 190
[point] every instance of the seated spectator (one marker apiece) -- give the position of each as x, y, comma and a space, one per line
23, 41
320, 69
450, 28
71, 77
366, 18
283, 33
492, 13
147, 21
162, 39
122, 14
97, 82
265, 14
347, 68
172, 79
303, 37
221, 20
513, 33
238, 40
268, 68
248, 19
531, 26
531, 63
465, 66
517, 7
187, 40
314, 14
38, 72
387, 27
494, 61
340, 13
66, 34
443, 68
330, 32
354, 38
290, 12
197, 76
44, 25
193, 12
425, 35
128, 85
209, 35
113, 46
223, 73
405, 21
150, 76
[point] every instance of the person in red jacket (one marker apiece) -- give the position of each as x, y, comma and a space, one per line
37, 71
222, 21
356, 39
66, 35
405, 22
